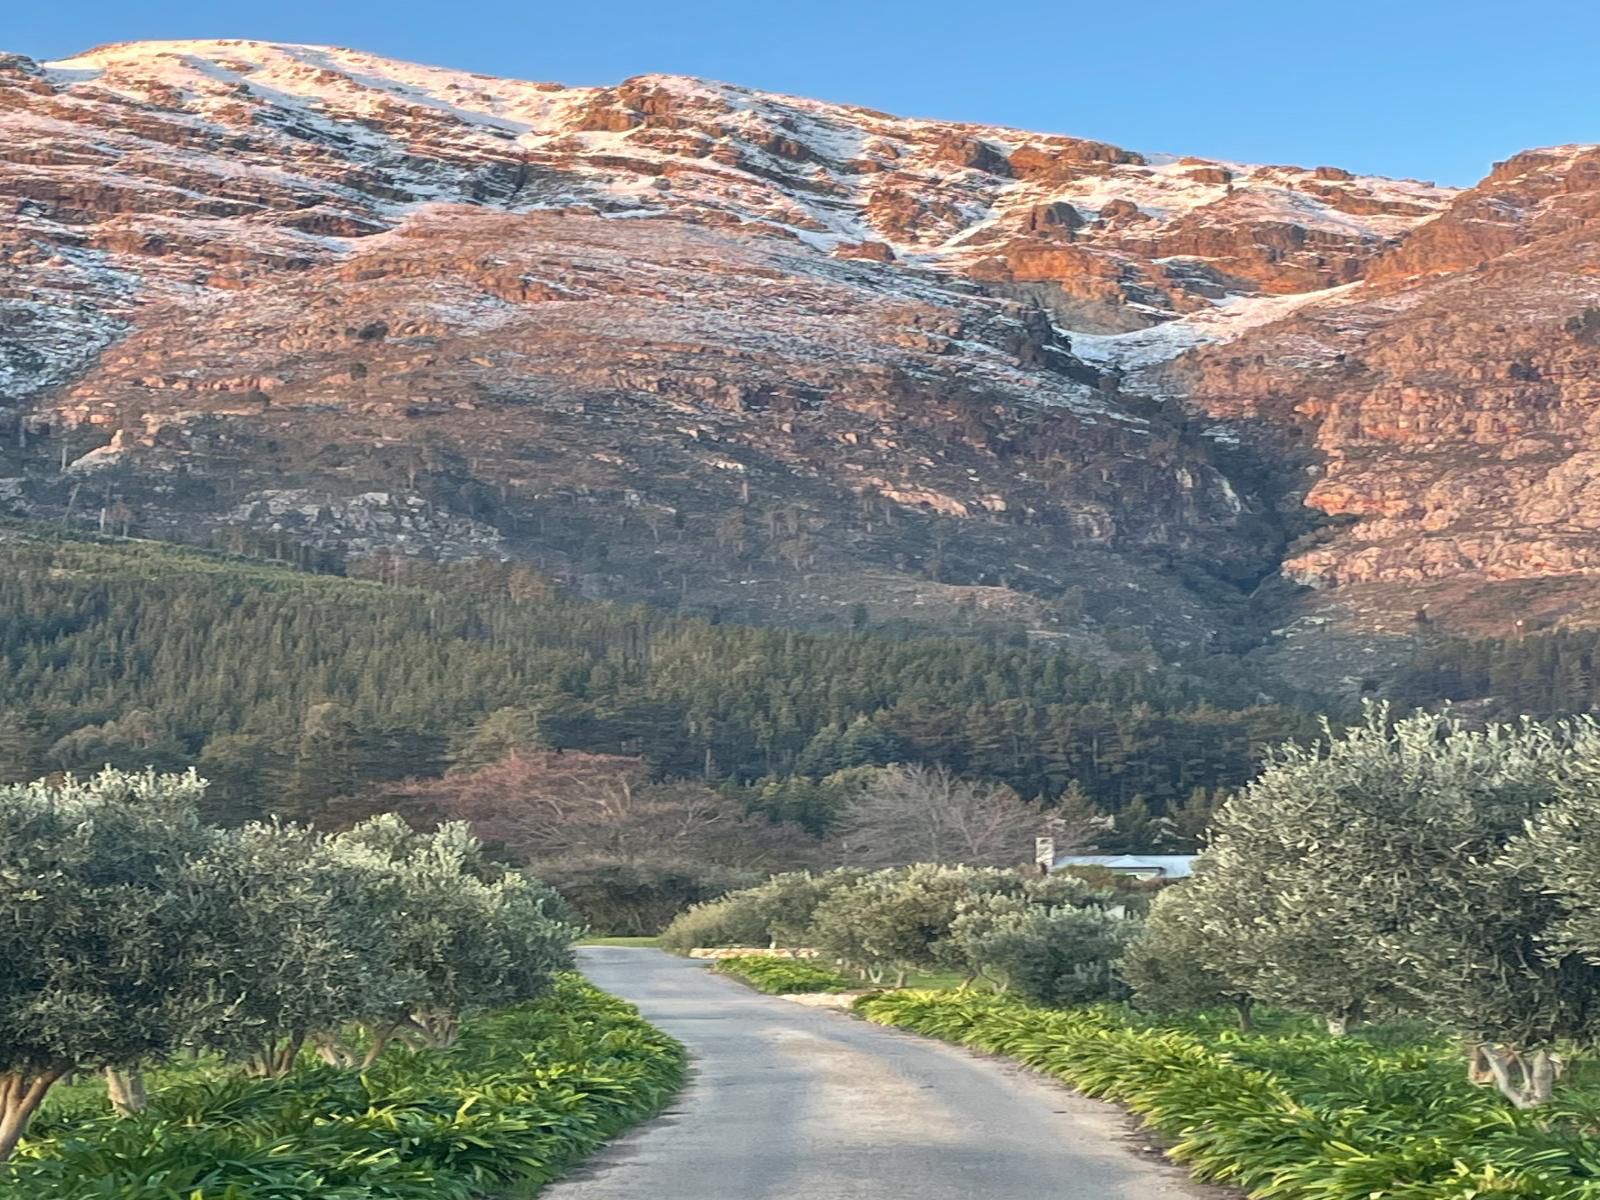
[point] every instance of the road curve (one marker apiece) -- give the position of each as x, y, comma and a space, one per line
801, 1103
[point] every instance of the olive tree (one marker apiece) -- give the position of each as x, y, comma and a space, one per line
1560, 853
304, 941
1373, 867
1166, 965
530, 922
1052, 955
1558, 856
93, 930
899, 920
465, 935
786, 905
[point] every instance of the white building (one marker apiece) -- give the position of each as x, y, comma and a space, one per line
1166, 867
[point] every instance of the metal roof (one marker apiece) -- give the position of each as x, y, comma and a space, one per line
1168, 866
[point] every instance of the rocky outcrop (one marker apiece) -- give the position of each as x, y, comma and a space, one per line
1441, 418
208, 163
688, 341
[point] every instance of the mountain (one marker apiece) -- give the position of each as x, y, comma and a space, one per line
782, 359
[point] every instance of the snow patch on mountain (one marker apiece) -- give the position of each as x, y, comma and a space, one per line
718, 151
1141, 349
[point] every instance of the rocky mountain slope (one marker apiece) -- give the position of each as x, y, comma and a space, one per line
692, 343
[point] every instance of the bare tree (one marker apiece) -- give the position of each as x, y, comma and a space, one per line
910, 814
543, 806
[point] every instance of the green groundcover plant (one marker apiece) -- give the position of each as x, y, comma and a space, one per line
782, 976
1291, 1116
521, 1095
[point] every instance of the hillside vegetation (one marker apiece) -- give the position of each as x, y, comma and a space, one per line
303, 688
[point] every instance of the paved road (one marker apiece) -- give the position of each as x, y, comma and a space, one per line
796, 1103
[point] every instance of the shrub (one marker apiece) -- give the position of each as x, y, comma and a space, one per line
899, 920
782, 976
786, 905
1055, 956
521, 1096
778, 912
1164, 966
730, 921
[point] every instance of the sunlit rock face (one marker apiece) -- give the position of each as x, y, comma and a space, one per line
686, 341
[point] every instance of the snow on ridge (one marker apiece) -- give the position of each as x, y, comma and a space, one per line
369, 105
1142, 349
445, 87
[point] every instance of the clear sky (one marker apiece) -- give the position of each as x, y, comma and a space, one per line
1431, 89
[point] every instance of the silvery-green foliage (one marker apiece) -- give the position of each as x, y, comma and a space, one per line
976, 921
1372, 868
778, 912
1057, 956
785, 906
730, 920
529, 920
899, 919
469, 936
869, 927
984, 911
1165, 964
302, 940
1560, 851
93, 928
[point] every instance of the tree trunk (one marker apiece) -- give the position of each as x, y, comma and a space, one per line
1339, 1023
1479, 1072
1528, 1080
1245, 1009
20, 1097
274, 1059
126, 1091
334, 1052
291, 1053
380, 1035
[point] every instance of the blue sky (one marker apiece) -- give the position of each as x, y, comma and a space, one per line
1423, 88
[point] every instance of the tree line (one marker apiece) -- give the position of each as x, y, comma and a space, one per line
1545, 675
1052, 939
130, 931
302, 689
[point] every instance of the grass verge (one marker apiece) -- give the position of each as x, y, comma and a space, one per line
1288, 1115
522, 1096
